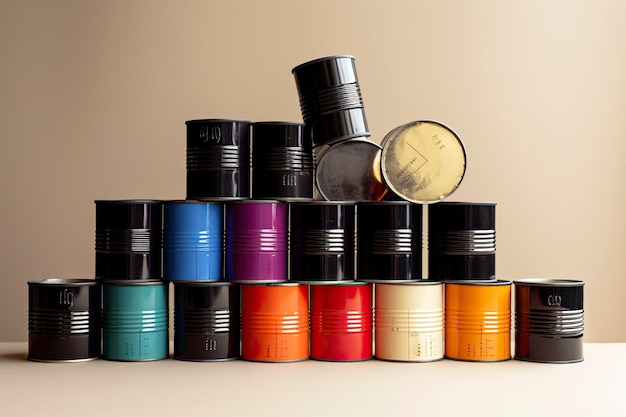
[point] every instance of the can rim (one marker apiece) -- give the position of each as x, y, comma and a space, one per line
270, 284
388, 203
478, 282
255, 201
409, 282
323, 203
129, 201
190, 201
466, 203
198, 121
388, 138
549, 282
343, 283
317, 60
133, 282
278, 123
75, 282
201, 283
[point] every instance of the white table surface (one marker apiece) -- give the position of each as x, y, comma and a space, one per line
595, 387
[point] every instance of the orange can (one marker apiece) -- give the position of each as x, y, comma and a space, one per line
275, 322
478, 320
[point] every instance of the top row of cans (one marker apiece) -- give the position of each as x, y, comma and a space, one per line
329, 156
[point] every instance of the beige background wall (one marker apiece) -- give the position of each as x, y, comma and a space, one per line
94, 96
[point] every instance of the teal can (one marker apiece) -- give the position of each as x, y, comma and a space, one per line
135, 320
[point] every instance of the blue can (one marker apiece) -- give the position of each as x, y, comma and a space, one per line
135, 320
193, 240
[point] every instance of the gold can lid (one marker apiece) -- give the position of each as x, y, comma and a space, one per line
422, 161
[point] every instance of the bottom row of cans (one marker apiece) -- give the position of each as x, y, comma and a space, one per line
75, 320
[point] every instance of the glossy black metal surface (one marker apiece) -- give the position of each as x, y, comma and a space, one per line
128, 239
389, 244
282, 161
218, 159
206, 320
64, 320
322, 241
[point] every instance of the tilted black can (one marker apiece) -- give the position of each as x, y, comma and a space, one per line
206, 320
218, 159
64, 320
282, 161
330, 99
322, 241
549, 320
461, 241
389, 241
129, 237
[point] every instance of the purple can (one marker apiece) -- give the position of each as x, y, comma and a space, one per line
256, 241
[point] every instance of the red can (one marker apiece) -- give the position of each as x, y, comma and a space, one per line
341, 321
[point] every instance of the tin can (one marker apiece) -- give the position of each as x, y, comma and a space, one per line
193, 240
128, 239
282, 161
389, 244
422, 161
275, 322
135, 320
349, 171
330, 99
256, 241
64, 320
409, 321
462, 241
549, 320
478, 320
218, 159
341, 322
322, 240
206, 320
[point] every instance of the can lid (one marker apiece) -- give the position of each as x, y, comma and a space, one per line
339, 283
477, 282
65, 282
199, 283
191, 201
408, 282
549, 282
204, 121
423, 161
318, 60
130, 201
133, 282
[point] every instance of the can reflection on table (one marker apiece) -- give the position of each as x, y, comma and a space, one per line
64, 320
206, 320
409, 319
193, 240
256, 241
135, 320
549, 320
389, 244
341, 321
275, 322
478, 320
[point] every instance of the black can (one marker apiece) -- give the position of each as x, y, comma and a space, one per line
461, 241
129, 237
330, 99
389, 241
64, 320
282, 161
322, 239
206, 320
218, 159
549, 320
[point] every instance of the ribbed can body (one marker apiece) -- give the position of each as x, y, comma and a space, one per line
389, 244
128, 239
322, 238
64, 320
206, 320
282, 161
193, 240
409, 319
275, 322
341, 321
462, 241
135, 320
478, 320
330, 99
549, 320
218, 159
256, 241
